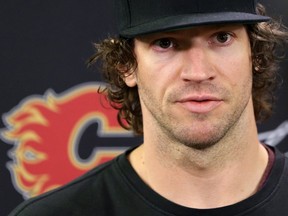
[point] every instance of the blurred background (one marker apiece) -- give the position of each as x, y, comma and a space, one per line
53, 125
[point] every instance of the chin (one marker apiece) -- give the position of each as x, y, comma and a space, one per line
200, 145
201, 141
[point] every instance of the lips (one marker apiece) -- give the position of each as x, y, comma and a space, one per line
200, 104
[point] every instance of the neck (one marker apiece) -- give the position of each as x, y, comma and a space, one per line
200, 184
206, 178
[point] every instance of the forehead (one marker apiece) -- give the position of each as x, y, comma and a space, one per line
196, 30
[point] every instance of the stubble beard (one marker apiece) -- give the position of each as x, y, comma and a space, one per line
203, 139
173, 131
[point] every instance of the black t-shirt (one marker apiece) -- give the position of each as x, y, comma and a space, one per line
114, 189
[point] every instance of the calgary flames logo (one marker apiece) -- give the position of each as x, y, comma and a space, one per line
45, 132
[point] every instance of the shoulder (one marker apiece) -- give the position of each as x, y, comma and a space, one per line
279, 172
68, 199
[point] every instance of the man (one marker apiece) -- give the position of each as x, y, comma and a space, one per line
193, 77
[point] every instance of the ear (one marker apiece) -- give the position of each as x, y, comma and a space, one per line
130, 79
129, 75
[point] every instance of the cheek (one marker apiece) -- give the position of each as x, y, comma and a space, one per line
159, 73
237, 67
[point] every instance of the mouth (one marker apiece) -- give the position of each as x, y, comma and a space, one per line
200, 104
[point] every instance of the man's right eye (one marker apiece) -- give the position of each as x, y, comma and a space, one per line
164, 43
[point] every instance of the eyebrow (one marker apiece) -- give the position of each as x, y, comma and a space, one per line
175, 32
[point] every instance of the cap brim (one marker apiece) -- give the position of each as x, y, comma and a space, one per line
186, 21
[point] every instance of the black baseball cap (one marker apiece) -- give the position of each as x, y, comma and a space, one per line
138, 17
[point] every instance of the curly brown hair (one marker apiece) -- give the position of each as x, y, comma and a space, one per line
118, 60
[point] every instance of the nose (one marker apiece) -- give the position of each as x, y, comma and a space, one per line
197, 65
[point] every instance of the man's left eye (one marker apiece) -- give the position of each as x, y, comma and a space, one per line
222, 38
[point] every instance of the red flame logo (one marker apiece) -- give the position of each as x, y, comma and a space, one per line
45, 132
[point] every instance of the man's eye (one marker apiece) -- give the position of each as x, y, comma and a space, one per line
222, 38
164, 43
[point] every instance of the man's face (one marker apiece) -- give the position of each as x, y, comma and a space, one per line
195, 84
